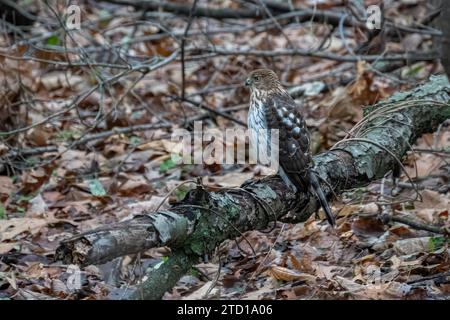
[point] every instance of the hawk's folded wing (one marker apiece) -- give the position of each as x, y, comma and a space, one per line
294, 140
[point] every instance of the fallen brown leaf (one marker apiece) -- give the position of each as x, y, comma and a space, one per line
285, 274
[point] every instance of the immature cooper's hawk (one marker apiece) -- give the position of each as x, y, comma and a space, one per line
271, 107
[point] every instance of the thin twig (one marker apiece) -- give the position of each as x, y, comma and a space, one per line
183, 42
418, 225
212, 110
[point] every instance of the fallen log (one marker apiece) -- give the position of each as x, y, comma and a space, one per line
199, 223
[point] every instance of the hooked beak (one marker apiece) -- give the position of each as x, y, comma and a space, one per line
248, 82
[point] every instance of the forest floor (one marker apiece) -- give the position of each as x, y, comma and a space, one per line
66, 168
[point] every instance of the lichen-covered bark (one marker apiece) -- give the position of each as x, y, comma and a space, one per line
197, 224
204, 219
128, 237
164, 277
389, 130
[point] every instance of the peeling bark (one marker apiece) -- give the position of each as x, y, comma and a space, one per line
199, 223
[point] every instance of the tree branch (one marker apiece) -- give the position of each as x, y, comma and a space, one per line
304, 14
408, 56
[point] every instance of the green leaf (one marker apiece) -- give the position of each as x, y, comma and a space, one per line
2, 212
436, 243
96, 188
168, 164
181, 192
414, 70
25, 198
65, 135
53, 40
194, 272
21, 211
135, 140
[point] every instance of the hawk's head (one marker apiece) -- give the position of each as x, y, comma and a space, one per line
263, 80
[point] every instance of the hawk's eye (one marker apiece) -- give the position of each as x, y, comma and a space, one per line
257, 78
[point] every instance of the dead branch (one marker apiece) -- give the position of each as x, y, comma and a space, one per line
408, 56
302, 14
418, 225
